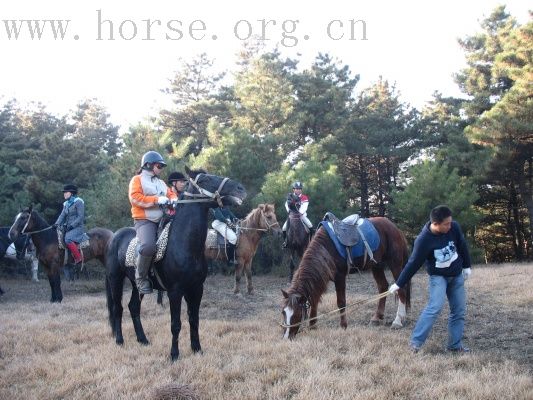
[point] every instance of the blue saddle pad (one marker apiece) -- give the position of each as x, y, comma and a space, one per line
370, 233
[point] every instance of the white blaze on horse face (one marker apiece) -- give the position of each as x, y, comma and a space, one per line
14, 224
288, 315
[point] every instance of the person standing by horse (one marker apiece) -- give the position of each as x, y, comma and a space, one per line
225, 223
299, 202
147, 192
71, 221
442, 246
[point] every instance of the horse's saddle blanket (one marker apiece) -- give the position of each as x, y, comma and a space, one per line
351, 232
61, 242
161, 245
214, 240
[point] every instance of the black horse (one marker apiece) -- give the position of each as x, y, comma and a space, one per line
44, 237
298, 235
182, 270
20, 245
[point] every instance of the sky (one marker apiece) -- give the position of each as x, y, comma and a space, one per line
125, 52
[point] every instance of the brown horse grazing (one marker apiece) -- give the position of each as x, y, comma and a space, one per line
322, 263
259, 221
44, 237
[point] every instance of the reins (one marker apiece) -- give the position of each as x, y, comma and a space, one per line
374, 298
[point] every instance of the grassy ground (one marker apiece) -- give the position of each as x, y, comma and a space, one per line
65, 351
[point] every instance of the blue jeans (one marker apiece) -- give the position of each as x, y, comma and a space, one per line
441, 287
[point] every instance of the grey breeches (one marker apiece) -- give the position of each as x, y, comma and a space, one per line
146, 232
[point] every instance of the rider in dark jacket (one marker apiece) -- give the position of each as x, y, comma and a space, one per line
71, 220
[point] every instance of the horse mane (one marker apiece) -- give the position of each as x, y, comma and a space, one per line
316, 269
40, 222
252, 218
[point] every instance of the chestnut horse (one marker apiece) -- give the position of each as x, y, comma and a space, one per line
44, 237
182, 270
259, 221
322, 263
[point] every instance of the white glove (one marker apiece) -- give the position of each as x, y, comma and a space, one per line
174, 201
393, 288
161, 200
466, 273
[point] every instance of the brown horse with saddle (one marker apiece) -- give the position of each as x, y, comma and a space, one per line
258, 222
45, 239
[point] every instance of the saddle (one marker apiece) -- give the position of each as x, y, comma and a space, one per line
161, 247
82, 245
353, 237
214, 240
346, 232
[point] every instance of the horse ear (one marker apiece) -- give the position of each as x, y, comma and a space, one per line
261, 206
285, 294
188, 170
30, 208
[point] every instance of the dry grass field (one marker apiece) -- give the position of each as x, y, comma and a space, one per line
65, 351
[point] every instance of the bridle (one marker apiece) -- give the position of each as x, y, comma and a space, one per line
269, 226
23, 231
204, 195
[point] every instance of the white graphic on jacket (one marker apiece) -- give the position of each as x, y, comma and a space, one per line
445, 256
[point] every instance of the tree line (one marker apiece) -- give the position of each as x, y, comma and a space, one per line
357, 150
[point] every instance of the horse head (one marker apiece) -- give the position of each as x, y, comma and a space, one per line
220, 189
294, 311
23, 223
267, 218
294, 202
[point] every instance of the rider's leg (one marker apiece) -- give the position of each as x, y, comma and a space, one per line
73, 247
146, 232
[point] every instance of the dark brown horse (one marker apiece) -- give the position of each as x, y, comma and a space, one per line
259, 221
298, 237
322, 263
44, 237
183, 268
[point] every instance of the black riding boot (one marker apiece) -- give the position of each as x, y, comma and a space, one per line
230, 252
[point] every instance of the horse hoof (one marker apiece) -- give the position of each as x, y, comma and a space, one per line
144, 342
396, 326
251, 292
119, 342
174, 357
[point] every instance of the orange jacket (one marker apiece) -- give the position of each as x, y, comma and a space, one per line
143, 192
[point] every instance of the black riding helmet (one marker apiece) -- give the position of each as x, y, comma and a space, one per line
297, 185
70, 188
150, 158
176, 176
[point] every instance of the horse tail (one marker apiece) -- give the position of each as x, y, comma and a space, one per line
109, 301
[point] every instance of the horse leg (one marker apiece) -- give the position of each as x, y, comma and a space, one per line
340, 290
292, 266
174, 299
382, 284
135, 311
55, 285
193, 298
248, 272
238, 275
114, 289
